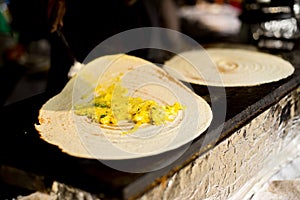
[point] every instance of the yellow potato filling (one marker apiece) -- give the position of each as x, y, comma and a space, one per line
111, 105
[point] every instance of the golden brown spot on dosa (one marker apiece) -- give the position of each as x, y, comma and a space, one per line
226, 66
42, 120
48, 120
195, 77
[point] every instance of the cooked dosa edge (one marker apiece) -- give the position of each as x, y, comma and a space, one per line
227, 67
82, 137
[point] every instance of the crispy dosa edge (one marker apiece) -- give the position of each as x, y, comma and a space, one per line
224, 79
55, 117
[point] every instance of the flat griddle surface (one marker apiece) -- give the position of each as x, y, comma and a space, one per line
22, 149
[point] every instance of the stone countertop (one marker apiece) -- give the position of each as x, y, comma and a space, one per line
31, 160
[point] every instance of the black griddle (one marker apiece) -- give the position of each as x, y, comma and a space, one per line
30, 163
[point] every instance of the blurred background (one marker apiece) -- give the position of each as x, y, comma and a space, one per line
41, 39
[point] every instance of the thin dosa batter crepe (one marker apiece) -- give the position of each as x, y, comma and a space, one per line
228, 67
78, 136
